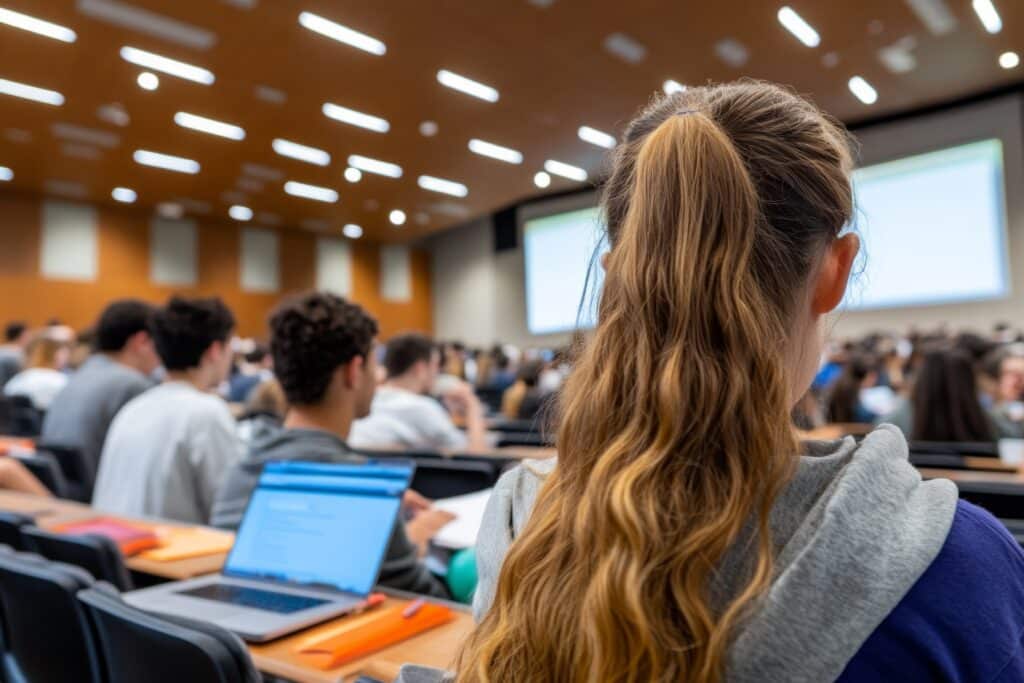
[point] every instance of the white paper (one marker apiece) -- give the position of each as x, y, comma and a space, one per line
469, 515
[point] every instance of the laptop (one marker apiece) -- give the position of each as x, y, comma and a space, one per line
309, 548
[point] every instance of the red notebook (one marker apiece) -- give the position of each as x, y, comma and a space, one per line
131, 539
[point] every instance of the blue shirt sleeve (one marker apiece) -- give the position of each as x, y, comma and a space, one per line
964, 618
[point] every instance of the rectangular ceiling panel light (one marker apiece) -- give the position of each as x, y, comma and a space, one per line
210, 126
449, 187
565, 170
863, 90
489, 149
356, 118
466, 85
342, 34
796, 25
30, 92
150, 23
37, 26
293, 150
990, 18
320, 194
150, 60
166, 162
596, 137
375, 166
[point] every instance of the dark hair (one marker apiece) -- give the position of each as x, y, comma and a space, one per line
185, 328
311, 336
404, 351
257, 355
13, 330
945, 399
529, 373
120, 321
844, 396
974, 345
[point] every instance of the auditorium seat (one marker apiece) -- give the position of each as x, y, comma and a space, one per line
44, 467
96, 554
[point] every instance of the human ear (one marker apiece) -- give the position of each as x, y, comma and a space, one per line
834, 274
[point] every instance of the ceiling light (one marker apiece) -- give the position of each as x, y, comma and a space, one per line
489, 149
30, 92
352, 231
311, 155
166, 162
353, 175
428, 129
863, 90
990, 19
84, 134
796, 25
124, 195
397, 217
114, 114
1009, 60
625, 48
43, 28
271, 95
375, 166
596, 137
150, 60
171, 210
148, 81
131, 16
935, 14
442, 186
320, 194
240, 213
356, 118
542, 180
466, 85
211, 126
6, 174
565, 170
263, 172
671, 87
342, 34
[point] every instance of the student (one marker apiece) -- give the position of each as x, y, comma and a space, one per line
43, 377
12, 352
945, 405
168, 449
679, 537
256, 368
403, 412
323, 354
118, 372
845, 404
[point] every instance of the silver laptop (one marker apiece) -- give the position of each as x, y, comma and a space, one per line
309, 548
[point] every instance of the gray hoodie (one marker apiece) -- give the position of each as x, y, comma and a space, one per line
402, 568
854, 530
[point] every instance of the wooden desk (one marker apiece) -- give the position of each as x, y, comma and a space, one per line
987, 477
436, 647
49, 512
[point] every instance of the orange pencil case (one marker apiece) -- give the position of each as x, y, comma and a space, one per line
374, 632
130, 538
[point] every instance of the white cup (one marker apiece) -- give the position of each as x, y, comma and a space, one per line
1011, 451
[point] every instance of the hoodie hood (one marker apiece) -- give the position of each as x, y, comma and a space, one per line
853, 530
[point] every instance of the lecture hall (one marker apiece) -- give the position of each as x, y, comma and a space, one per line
539, 340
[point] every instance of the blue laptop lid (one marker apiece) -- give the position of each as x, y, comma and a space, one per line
324, 525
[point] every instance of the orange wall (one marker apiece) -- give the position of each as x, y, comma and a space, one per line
124, 271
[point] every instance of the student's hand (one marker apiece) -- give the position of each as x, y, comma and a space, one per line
413, 503
461, 399
425, 526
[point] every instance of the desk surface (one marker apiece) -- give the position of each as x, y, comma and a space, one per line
50, 512
436, 647
973, 475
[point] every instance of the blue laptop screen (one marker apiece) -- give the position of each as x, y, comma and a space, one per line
320, 524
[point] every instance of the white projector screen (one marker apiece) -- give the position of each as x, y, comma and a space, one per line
933, 227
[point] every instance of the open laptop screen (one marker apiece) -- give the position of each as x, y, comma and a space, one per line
320, 524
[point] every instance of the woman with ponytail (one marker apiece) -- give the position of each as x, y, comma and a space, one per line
681, 536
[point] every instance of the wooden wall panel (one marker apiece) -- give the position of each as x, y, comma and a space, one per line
124, 271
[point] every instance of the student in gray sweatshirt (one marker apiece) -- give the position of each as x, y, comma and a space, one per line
680, 535
323, 357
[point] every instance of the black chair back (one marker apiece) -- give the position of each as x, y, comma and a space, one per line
73, 466
491, 397
1005, 500
435, 478
44, 467
139, 646
982, 449
96, 554
537, 439
47, 638
26, 419
11, 525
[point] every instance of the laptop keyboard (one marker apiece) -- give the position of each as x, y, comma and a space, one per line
282, 603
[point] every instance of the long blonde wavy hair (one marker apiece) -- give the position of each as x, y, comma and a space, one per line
675, 432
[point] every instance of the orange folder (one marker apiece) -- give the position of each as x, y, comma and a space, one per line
371, 633
130, 538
